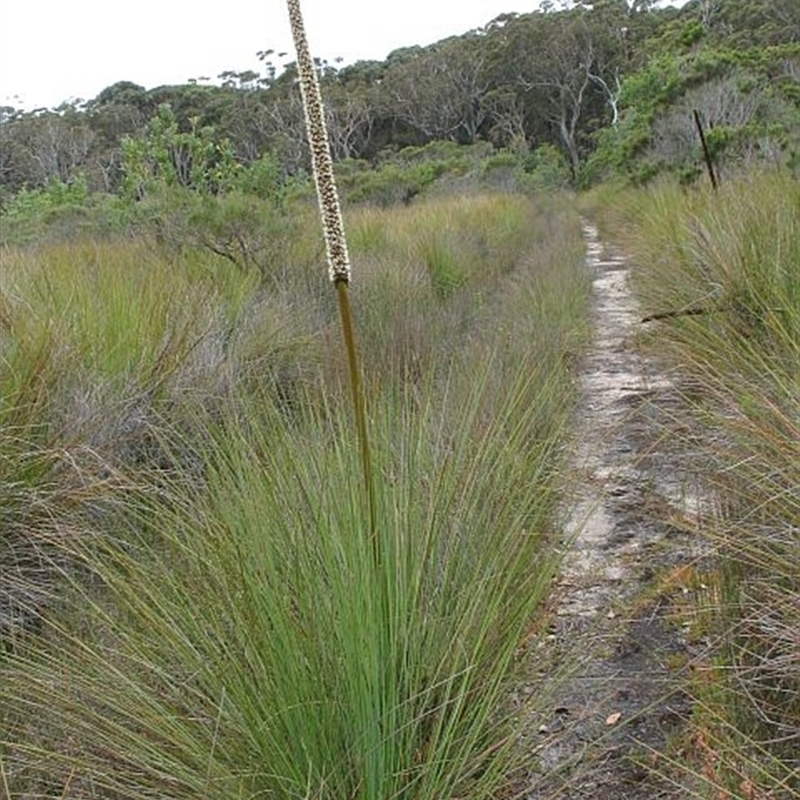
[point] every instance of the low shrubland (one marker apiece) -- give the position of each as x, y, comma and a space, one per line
196, 608
721, 274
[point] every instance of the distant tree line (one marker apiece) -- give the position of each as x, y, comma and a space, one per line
611, 85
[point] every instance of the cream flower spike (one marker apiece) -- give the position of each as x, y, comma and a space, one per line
321, 161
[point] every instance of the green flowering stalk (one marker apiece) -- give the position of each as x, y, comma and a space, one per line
333, 231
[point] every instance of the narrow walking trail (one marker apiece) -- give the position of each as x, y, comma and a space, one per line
620, 699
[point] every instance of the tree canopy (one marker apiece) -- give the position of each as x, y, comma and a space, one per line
611, 85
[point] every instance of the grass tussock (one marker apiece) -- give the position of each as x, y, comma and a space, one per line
732, 258
216, 625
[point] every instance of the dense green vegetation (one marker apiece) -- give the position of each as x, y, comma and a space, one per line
198, 612
610, 87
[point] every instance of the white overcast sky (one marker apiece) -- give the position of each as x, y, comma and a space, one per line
57, 50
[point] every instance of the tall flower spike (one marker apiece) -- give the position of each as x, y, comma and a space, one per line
322, 164
335, 243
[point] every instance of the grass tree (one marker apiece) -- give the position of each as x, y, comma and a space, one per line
334, 234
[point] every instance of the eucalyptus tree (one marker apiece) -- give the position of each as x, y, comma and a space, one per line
351, 109
45, 146
440, 90
119, 111
544, 59
559, 73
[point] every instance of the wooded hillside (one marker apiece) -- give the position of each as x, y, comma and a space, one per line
595, 90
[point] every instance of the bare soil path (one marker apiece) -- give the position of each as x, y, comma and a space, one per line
621, 704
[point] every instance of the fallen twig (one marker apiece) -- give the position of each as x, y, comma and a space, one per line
694, 312
685, 312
